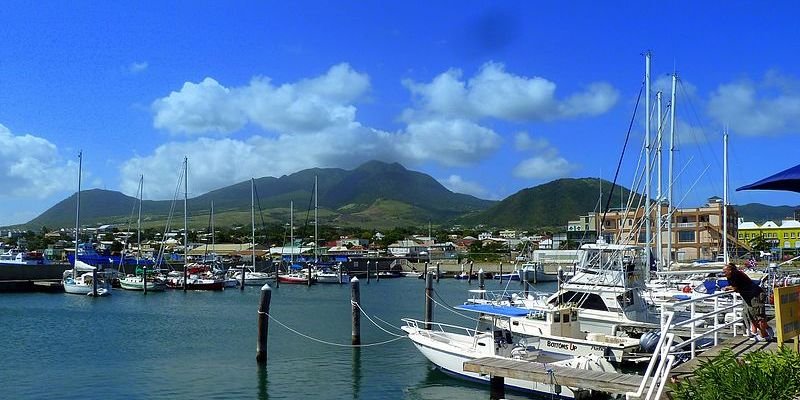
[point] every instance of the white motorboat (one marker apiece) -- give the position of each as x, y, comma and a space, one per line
449, 346
136, 282
252, 278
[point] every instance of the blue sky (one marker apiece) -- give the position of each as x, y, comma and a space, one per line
487, 97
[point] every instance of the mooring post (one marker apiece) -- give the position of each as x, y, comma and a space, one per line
241, 284
144, 279
438, 272
355, 303
469, 277
428, 300
185, 274
94, 279
481, 283
377, 273
340, 273
426, 267
367, 272
501, 273
309, 274
263, 324
496, 387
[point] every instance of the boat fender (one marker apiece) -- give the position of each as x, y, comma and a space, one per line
687, 289
649, 341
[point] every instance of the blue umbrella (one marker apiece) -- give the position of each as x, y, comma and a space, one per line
788, 180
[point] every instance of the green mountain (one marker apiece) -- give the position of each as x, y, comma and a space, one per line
549, 205
761, 213
376, 194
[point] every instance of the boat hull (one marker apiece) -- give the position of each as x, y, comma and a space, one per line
133, 284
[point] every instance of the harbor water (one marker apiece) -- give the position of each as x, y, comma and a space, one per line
176, 345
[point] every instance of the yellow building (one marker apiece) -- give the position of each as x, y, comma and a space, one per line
785, 236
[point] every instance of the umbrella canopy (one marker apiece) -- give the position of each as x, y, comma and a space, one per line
788, 180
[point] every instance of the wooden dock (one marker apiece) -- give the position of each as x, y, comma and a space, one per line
611, 382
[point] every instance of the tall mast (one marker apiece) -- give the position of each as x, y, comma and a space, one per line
139, 223
253, 219
77, 214
647, 209
213, 242
185, 221
659, 248
316, 222
291, 232
725, 197
671, 158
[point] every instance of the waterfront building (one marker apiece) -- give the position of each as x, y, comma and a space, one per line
696, 231
784, 237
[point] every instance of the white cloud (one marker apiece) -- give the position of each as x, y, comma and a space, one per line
458, 185
306, 106
449, 142
31, 167
523, 141
546, 162
495, 93
137, 67
771, 107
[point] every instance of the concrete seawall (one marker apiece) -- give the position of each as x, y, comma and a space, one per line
32, 272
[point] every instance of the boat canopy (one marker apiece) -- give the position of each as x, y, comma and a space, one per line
490, 309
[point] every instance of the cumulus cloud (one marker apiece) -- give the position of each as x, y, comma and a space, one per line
449, 142
31, 167
457, 184
495, 93
137, 67
546, 162
769, 107
305, 106
523, 141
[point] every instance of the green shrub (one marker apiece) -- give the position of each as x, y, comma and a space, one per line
758, 375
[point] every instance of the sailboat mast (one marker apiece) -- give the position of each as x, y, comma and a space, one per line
77, 214
670, 208
291, 233
253, 230
659, 248
139, 223
725, 197
647, 209
185, 221
316, 221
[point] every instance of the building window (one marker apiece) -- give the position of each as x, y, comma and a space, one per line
787, 244
686, 236
792, 235
642, 237
741, 236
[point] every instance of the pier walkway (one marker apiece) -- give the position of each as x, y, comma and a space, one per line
611, 382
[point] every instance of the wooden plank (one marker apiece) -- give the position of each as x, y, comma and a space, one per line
611, 382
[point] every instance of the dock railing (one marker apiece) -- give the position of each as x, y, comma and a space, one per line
660, 365
734, 307
660, 371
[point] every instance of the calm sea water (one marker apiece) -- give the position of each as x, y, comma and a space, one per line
177, 345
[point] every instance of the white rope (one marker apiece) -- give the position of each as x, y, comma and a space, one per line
449, 308
373, 322
327, 342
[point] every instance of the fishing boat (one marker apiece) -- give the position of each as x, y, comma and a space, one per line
449, 346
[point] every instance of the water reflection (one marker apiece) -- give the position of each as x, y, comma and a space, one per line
356, 372
261, 372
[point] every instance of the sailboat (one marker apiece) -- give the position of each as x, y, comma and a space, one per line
88, 282
252, 277
197, 277
139, 279
297, 277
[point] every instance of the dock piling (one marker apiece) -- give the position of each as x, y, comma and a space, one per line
263, 324
438, 272
428, 300
367, 272
497, 387
144, 279
355, 302
377, 272
94, 280
501, 272
469, 277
